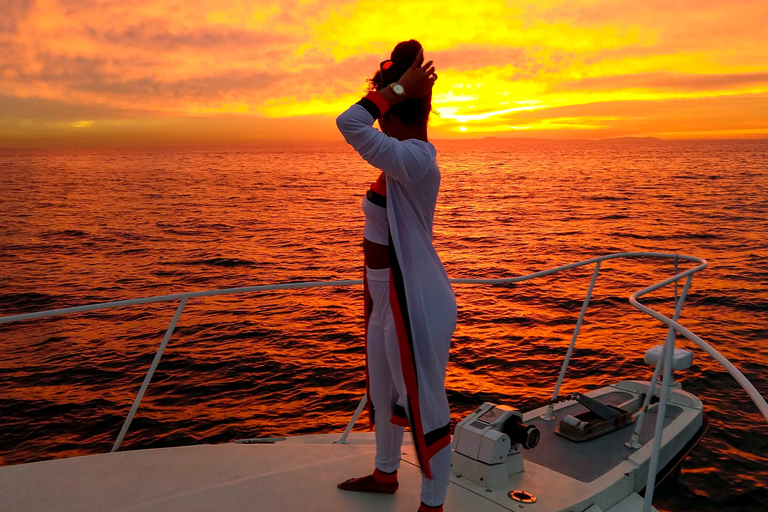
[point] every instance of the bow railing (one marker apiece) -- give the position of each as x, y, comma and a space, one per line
665, 358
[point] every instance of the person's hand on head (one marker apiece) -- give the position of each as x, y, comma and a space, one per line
419, 78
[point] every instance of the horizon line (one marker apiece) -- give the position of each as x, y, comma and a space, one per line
299, 142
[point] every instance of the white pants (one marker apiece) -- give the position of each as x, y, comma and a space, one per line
388, 390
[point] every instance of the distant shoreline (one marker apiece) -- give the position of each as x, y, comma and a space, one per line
332, 143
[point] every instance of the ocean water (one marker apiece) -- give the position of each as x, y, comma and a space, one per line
86, 226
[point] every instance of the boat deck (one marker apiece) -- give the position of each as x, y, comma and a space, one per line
299, 474
287, 476
588, 460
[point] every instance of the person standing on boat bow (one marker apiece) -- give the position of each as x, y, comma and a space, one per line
410, 308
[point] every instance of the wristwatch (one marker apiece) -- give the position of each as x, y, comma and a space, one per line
398, 89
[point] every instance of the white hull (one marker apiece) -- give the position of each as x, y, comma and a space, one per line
300, 473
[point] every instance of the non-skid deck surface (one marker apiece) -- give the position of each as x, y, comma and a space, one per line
589, 460
284, 477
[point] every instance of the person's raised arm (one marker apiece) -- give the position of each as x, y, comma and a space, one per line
404, 162
417, 81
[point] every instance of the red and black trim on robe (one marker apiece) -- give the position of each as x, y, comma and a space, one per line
399, 416
437, 439
429, 443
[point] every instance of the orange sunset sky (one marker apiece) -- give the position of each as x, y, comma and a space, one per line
155, 72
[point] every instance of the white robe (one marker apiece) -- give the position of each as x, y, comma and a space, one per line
422, 299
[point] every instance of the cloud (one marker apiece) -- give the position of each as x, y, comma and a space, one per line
13, 12
28, 109
712, 117
158, 36
147, 130
201, 87
498, 61
667, 82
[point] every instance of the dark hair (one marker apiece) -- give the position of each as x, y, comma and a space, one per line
410, 111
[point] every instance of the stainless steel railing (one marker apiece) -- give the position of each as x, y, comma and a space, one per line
665, 358
183, 297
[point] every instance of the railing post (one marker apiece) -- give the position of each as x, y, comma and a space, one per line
360, 406
669, 349
549, 415
148, 377
675, 263
634, 441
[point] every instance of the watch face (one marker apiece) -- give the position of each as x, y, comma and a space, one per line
398, 89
